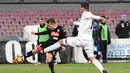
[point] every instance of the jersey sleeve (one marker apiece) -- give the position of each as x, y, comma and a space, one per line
91, 16
96, 17
44, 32
76, 23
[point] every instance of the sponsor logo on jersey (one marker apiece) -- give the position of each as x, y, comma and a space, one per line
55, 38
55, 34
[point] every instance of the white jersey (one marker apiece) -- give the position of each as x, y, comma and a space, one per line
85, 25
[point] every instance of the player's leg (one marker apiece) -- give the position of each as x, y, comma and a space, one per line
39, 58
50, 58
86, 56
30, 53
52, 47
97, 64
66, 41
35, 51
97, 55
89, 50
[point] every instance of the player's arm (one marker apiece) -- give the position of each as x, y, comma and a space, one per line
96, 17
91, 16
76, 23
42, 33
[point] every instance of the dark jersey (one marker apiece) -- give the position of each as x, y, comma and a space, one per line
122, 29
54, 35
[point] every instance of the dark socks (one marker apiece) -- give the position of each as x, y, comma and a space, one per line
51, 66
39, 57
97, 55
28, 54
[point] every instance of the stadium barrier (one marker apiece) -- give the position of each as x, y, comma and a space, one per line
117, 51
9, 49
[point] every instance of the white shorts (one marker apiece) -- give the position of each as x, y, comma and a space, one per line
87, 45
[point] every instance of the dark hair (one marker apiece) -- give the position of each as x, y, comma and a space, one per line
51, 20
85, 5
95, 21
103, 17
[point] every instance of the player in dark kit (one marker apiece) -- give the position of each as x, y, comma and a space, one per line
55, 33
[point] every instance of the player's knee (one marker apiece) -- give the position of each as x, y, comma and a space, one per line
49, 58
91, 59
60, 42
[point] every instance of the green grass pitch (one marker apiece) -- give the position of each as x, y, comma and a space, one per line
64, 68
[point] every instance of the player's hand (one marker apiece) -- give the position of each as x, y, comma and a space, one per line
33, 32
70, 20
63, 48
103, 19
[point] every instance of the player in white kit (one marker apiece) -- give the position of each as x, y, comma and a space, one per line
84, 38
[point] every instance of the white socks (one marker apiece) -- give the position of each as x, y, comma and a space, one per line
52, 47
98, 64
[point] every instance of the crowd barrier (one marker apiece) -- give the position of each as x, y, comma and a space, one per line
118, 50
9, 49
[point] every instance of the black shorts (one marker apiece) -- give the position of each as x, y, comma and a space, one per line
54, 53
44, 44
47, 44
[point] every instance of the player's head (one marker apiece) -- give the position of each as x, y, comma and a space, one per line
95, 23
84, 6
51, 23
42, 22
103, 20
124, 17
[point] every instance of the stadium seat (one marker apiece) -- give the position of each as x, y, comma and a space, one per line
16, 20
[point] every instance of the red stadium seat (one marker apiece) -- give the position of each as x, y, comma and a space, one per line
26, 19
34, 19
16, 20
31, 22
7, 33
13, 34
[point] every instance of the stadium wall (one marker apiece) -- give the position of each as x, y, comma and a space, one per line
37, 7
10, 49
118, 51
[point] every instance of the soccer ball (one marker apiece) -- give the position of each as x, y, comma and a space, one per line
19, 58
